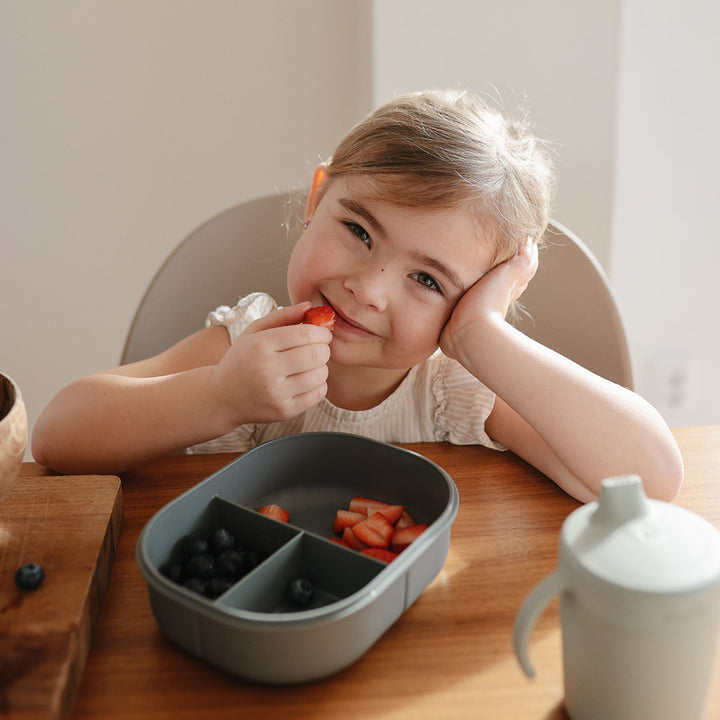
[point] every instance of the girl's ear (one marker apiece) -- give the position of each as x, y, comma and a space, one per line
316, 191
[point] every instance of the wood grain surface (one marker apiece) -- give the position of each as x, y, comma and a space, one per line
71, 526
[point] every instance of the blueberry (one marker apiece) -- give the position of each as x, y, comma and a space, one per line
196, 585
217, 586
173, 571
299, 591
29, 576
231, 564
200, 566
221, 540
252, 559
194, 544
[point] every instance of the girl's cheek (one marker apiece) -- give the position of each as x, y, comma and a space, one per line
296, 278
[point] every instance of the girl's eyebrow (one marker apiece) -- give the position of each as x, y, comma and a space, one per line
355, 207
441, 267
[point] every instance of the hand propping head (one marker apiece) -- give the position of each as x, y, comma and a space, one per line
491, 297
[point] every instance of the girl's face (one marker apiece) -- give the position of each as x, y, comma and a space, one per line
392, 274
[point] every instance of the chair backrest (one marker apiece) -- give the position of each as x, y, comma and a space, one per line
569, 302
239, 251
571, 308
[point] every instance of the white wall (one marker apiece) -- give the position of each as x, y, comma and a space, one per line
666, 235
125, 125
558, 56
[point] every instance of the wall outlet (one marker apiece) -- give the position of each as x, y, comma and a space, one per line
672, 381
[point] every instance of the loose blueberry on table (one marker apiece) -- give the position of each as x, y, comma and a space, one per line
29, 576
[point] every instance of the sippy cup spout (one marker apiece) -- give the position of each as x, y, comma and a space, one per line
622, 498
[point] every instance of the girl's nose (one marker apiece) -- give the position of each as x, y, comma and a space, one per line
370, 285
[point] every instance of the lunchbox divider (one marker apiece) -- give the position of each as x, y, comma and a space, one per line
257, 590
335, 573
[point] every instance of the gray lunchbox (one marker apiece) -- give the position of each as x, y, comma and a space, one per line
251, 630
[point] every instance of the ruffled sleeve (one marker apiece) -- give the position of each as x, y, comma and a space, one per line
462, 404
246, 311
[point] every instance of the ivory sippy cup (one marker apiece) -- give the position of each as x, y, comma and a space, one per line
639, 586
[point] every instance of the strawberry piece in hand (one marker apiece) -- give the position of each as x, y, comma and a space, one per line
323, 316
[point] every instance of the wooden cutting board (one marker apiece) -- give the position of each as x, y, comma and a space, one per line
70, 525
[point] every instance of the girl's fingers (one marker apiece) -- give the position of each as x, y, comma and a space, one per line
524, 265
290, 315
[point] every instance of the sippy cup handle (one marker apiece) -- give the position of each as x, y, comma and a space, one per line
529, 613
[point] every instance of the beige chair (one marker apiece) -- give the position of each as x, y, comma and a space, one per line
569, 302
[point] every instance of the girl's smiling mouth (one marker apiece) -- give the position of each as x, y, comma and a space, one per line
346, 324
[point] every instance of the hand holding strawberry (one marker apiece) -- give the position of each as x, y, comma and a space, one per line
275, 369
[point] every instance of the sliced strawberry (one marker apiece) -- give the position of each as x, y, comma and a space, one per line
339, 541
365, 505
275, 512
323, 315
406, 520
403, 536
392, 512
346, 518
351, 540
385, 556
370, 506
375, 531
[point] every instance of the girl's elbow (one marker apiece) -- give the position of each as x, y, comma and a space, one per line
41, 449
48, 449
665, 477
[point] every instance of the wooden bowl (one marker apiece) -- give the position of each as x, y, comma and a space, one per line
13, 433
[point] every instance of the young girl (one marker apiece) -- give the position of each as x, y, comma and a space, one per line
420, 232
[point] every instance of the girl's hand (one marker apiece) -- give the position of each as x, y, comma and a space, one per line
489, 299
275, 370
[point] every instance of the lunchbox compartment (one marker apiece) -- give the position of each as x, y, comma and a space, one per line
312, 478
251, 530
334, 573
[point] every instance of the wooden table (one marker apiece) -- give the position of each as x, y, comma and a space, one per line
449, 656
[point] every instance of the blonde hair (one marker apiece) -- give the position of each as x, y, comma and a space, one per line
447, 148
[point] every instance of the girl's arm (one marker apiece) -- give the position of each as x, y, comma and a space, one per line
571, 424
199, 389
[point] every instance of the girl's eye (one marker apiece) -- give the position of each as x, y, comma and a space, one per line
427, 281
359, 231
